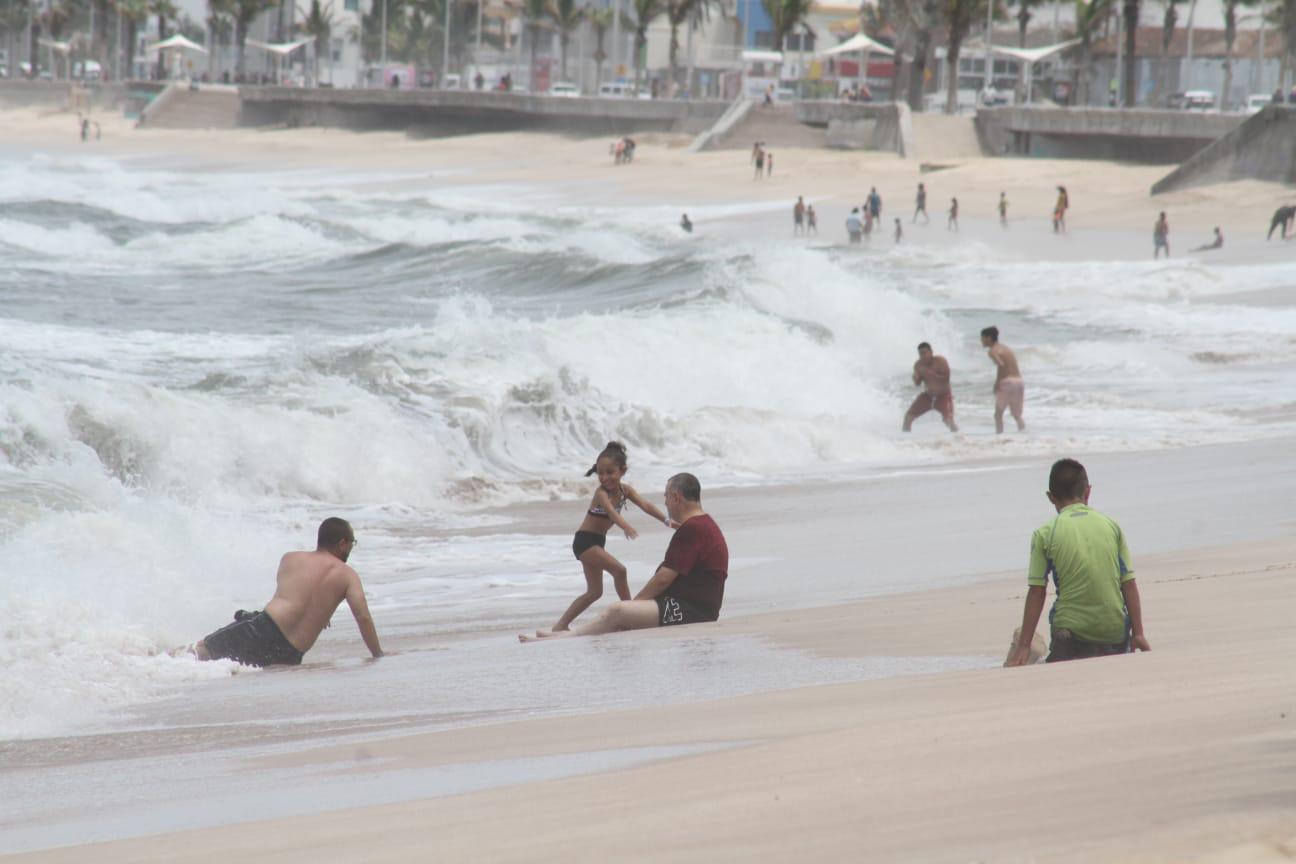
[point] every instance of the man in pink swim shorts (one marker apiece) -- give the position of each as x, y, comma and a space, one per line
1009, 388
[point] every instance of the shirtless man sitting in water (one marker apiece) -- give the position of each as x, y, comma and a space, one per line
310, 586
1009, 388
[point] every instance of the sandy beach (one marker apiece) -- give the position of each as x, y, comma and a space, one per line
834, 713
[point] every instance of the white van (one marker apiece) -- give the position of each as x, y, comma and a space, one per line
1256, 102
616, 91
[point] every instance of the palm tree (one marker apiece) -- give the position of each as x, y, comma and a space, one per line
567, 15
1132, 12
218, 29
1167, 36
163, 9
134, 13
785, 16
245, 12
959, 15
601, 21
1023, 19
13, 19
1230, 36
1283, 16
922, 17
318, 25
1089, 15
645, 12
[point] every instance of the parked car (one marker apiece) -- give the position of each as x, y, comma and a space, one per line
1257, 102
1191, 100
453, 81
616, 90
565, 89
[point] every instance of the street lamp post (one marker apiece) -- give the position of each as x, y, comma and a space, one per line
445, 48
383, 52
989, 37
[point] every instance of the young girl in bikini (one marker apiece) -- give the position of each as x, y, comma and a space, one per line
605, 511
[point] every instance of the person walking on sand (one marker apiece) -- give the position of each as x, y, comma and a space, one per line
932, 373
854, 228
308, 588
689, 584
920, 205
899, 232
798, 217
604, 511
1003, 209
875, 204
1161, 237
1009, 387
769, 164
812, 223
760, 162
1282, 218
951, 224
1059, 210
1098, 611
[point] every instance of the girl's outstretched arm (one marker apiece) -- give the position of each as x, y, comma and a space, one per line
647, 507
602, 499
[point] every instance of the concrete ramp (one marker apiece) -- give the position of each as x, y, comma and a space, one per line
945, 136
1262, 148
212, 106
777, 125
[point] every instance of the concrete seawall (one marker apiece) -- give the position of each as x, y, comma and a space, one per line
1262, 148
1148, 136
455, 112
855, 126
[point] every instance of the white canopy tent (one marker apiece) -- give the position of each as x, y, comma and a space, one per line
175, 44
1031, 56
864, 44
280, 50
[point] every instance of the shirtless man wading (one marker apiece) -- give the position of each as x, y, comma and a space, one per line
310, 586
932, 371
1009, 388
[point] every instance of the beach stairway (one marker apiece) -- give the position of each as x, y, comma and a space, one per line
1262, 148
211, 106
776, 125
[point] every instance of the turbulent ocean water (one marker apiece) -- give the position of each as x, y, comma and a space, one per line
198, 365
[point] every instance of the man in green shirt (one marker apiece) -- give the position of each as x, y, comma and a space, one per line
1097, 612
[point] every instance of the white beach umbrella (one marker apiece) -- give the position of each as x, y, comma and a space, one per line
1031, 56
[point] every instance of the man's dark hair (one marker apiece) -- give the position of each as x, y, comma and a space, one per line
687, 486
1068, 480
333, 531
922, 345
992, 332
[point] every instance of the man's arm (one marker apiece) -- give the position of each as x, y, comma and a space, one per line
655, 586
360, 610
1134, 606
1030, 620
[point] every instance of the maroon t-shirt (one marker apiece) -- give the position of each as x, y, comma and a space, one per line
699, 555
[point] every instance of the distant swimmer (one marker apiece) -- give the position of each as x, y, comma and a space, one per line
686, 224
1217, 243
689, 584
1003, 209
798, 217
899, 231
920, 205
951, 224
1161, 236
854, 227
604, 511
812, 221
1009, 387
309, 587
932, 373
1098, 611
1282, 217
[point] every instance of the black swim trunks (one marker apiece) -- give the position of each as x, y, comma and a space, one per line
586, 540
254, 639
671, 610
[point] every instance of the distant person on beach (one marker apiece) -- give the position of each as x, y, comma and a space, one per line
875, 203
1009, 386
920, 205
1282, 218
769, 164
1161, 236
812, 221
798, 217
868, 223
932, 373
1217, 243
951, 224
689, 584
85, 129
309, 587
854, 227
1003, 209
899, 231
760, 162
686, 224
1059, 210
1098, 611
604, 511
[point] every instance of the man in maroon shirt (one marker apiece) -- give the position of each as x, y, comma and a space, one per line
689, 584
